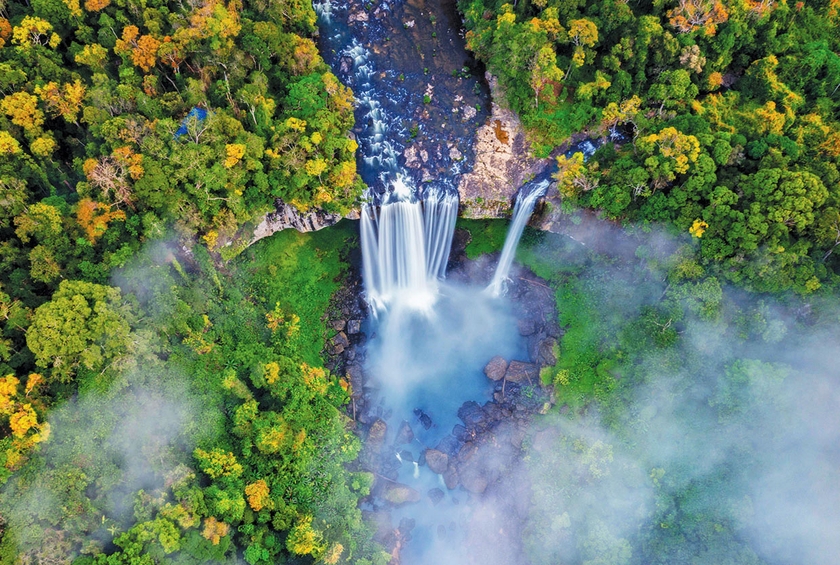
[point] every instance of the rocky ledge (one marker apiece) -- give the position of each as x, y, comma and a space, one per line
503, 163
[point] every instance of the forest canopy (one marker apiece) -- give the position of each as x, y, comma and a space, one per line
728, 112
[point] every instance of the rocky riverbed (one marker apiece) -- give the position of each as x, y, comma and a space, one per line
477, 457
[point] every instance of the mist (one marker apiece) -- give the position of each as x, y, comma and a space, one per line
720, 444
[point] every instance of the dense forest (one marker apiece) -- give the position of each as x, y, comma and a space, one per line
728, 110
204, 427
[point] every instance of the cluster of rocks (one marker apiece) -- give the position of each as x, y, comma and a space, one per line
344, 351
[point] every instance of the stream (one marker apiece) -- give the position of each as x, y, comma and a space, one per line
440, 434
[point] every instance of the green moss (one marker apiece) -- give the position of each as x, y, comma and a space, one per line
486, 236
300, 272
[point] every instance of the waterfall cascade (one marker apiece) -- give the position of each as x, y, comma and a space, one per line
406, 235
525, 202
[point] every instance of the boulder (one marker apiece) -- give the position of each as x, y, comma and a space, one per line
450, 478
435, 495
526, 327
545, 352
471, 414
518, 372
354, 327
356, 378
404, 434
448, 444
341, 339
425, 420
376, 435
399, 494
495, 369
338, 325
437, 461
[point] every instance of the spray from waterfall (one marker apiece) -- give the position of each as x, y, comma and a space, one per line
525, 202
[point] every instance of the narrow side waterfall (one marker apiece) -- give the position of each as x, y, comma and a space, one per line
525, 202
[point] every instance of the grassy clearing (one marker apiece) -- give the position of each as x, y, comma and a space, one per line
300, 272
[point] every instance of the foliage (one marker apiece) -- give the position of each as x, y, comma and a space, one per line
91, 100
713, 98
215, 436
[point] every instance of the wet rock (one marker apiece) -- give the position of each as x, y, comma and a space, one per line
354, 327
412, 158
437, 461
356, 378
424, 418
460, 433
545, 352
404, 434
399, 494
341, 339
526, 327
448, 445
471, 414
406, 456
376, 435
518, 372
360, 16
495, 369
345, 65
435, 495
503, 161
450, 478
454, 154
406, 525
467, 452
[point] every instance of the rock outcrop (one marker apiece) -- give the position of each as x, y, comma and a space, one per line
286, 216
503, 163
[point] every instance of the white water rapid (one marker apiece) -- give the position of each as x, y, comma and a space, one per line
525, 202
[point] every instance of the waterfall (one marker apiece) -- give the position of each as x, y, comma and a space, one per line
440, 214
405, 246
405, 237
525, 201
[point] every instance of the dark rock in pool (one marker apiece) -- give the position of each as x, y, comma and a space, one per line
518, 372
404, 434
399, 494
448, 445
460, 433
346, 65
435, 495
437, 461
450, 478
354, 327
471, 414
425, 420
406, 525
406, 456
495, 369
526, 327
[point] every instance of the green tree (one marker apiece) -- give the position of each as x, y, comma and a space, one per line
84, 324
